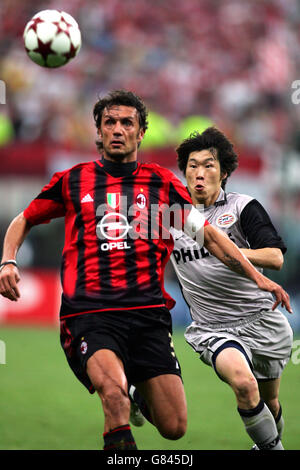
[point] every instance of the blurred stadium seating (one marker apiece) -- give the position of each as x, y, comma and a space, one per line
194, 62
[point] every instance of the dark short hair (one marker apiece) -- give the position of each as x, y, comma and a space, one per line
124, 98
211, 139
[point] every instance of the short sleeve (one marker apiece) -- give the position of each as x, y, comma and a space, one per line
49, 204
258, 227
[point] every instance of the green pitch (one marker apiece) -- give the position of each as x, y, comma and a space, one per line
43, 406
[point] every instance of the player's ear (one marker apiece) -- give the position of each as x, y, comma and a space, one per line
99, 132
140, 135
223, 176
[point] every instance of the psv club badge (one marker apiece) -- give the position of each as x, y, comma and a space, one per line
226, 220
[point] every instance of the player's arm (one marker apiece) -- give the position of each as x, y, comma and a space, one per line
9, 274
266, 247
270, 258
47, 205
220, 246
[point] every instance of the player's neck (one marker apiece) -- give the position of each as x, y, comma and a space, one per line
118, 169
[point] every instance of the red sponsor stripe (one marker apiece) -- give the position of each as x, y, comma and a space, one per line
161, 242
170, 302
90, 240
70, 253
116, 257
163, 254
141, 246
142, 262
112, 309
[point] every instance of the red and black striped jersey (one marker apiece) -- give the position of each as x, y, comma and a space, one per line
117, 239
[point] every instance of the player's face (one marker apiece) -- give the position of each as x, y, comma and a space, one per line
120, 133
203, 176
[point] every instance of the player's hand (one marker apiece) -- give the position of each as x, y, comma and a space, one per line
281, 296
9, 278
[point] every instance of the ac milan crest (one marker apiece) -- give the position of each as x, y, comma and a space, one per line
141, 201
83, 347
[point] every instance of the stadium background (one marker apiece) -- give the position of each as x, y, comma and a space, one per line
195, 63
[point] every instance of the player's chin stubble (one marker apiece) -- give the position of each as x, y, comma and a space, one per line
117, 156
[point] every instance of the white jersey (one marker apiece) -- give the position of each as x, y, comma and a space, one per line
213, 292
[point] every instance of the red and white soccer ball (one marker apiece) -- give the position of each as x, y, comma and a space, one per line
52, 38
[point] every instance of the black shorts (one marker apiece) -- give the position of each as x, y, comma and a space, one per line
141, 338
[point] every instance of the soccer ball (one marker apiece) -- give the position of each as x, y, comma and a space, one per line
52, 38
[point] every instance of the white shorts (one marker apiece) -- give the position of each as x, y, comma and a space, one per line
266, 337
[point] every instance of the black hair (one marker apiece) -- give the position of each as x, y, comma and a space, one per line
124, 98
216, 142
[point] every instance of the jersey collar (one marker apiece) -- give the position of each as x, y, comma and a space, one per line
118, 170
221, 199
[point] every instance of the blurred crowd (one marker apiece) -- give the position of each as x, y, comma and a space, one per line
230, 61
